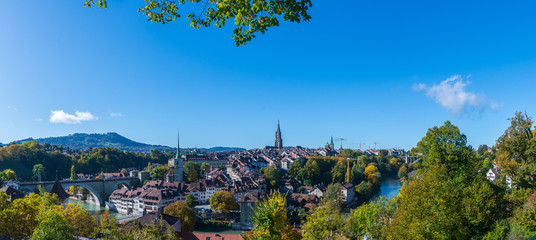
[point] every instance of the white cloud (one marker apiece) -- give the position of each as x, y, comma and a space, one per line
38, 119
113, 114
12, 108
60, 116
451, 94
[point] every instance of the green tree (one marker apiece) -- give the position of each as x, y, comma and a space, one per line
295, 169
403, 172
250, 17
52, 226
371, 219
324, 222
339, 172
193, 175
186, 214
516, 151
446, 146
38, 170
203, 167
333, 195
158, 172
73, 173
273, 176
312, 171
271, 221
190, 201
223, 201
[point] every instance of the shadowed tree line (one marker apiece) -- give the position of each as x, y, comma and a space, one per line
30, 159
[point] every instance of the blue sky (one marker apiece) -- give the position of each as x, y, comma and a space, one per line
367, 71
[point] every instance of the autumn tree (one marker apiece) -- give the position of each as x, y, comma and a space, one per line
80, 219
270, 220
370, 174
223, 201
107, 225
251, 17
186, 214
7, 175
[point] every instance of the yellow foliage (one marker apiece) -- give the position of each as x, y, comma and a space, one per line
370, 170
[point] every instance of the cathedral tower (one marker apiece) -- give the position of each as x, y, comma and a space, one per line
278, 140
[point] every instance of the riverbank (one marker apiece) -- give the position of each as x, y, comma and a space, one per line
95, 210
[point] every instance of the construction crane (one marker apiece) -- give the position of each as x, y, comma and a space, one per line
359, 143
375, 143
340, 139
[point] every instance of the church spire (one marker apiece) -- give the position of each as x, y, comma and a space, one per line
178, 145
278, 140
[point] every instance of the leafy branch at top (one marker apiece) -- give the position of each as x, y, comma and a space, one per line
250, 16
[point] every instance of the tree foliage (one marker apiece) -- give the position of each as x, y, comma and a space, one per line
371, 219
516, 153
80, 219
250, 17
7, 175
272, 176
271, 221
186, 214
446, 146
52, 226
223, 201
324, 222
190, 201
157, 173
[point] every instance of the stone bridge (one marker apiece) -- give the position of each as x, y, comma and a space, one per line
100, 188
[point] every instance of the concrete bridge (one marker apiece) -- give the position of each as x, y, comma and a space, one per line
100, 188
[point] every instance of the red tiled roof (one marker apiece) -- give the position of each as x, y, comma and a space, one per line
212, 236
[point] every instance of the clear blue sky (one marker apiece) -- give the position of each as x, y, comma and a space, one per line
367, 71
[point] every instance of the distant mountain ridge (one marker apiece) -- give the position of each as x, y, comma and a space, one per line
110, 140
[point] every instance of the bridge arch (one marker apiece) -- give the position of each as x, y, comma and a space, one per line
94, 192
122, 183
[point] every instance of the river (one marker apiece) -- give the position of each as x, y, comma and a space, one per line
95, 210
389, 188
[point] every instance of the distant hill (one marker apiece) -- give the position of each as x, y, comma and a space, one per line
222, 149
111, 140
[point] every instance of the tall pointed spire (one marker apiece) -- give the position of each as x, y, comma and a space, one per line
178, 145
278, 140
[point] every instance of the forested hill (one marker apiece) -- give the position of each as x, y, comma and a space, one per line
94, 140
111, 140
